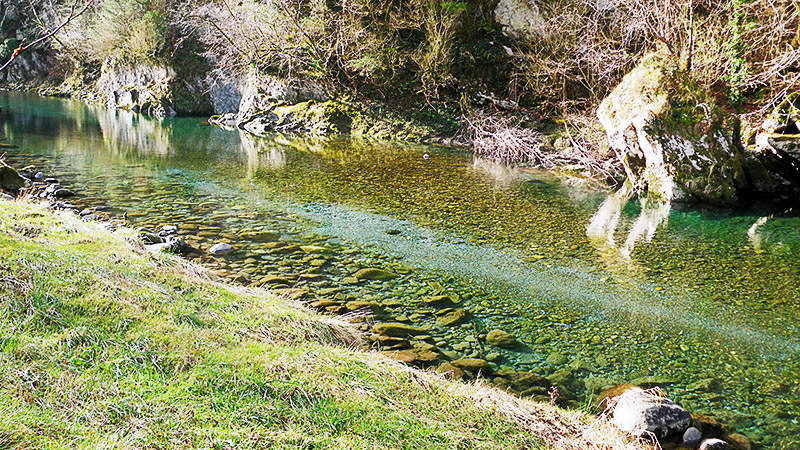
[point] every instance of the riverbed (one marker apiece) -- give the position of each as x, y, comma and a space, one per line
597, 286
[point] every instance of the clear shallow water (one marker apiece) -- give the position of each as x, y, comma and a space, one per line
620, 289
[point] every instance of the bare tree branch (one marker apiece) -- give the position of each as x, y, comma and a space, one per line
73, 13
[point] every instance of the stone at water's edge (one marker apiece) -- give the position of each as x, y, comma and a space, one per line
10, 179
637, 411
714, 444
692, 437
672, 139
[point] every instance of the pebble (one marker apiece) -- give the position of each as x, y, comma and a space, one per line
692, 437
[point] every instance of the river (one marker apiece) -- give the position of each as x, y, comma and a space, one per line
598, 287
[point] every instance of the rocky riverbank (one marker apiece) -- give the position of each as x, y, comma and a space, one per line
438, 334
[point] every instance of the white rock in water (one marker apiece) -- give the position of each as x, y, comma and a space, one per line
220, 249
638, 411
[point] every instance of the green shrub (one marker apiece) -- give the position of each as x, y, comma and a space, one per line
133, 30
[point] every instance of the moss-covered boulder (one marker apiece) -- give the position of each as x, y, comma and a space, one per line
674, 142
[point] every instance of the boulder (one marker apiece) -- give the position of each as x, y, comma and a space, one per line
450, 371
673, 141
692, 437
638, 411
500, 338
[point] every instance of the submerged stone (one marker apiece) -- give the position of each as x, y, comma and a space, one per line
500, 338
452, 318
438, 301
395, 329
372, 273
472, 365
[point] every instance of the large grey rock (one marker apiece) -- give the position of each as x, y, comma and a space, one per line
637, 411
672, 140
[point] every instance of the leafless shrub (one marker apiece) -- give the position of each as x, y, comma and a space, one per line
500, 138
504, 138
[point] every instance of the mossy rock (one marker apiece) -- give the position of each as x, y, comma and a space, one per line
673, 140
10, 179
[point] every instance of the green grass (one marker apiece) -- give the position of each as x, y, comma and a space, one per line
104, 345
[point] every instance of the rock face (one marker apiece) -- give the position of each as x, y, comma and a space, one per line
152, 89
28, 66
638, 411
777, 148
517, 17
672, 140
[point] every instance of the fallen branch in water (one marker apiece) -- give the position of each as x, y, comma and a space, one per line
72, 15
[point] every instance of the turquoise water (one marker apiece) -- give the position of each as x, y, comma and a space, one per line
597, 287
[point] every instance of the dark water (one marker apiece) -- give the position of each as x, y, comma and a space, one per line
597, 288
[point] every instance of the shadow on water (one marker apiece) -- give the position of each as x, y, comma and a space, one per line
599, 288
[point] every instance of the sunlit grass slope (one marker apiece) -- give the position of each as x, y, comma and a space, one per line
105, 345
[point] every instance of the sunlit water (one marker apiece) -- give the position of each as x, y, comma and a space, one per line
621, 288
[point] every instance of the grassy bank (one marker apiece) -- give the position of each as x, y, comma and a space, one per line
105, 345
